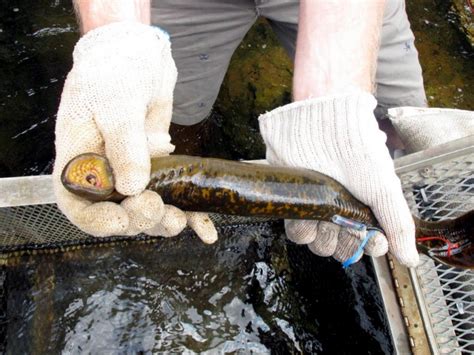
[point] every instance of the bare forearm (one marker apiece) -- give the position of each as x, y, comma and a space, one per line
337, 46
95, 13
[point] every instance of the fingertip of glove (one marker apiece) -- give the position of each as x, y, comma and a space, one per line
377, 245
129, 158
349, 242
410, 259
161, 150
203, 226
402, 244
148, 203
301, 232
326, 240
144, 210
404, 250
133, 182
103, 219
173, 222
321, 250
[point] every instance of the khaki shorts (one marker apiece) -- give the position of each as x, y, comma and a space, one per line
205, 33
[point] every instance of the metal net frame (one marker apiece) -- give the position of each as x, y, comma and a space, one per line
44, 227
438, 186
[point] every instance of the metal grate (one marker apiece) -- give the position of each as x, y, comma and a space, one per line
449, 298
35, 227
440, 189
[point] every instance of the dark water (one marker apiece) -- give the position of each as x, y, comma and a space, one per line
36, 41
251, 293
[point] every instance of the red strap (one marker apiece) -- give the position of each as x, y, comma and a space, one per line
450, 245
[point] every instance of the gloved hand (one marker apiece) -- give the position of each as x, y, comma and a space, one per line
424, 127
117, 101
339, 136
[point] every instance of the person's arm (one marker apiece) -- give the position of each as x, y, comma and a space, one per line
95, 13
331, 128
337, 47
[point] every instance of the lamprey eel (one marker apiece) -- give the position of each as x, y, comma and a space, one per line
244, 189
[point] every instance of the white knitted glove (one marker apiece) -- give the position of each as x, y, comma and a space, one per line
339, 136
117, 101
421, 127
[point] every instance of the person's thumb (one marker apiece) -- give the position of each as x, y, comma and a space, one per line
126, 147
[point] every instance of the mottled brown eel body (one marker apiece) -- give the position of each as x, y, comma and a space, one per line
244, 189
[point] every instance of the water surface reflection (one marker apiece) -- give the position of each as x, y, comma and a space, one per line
251, 292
